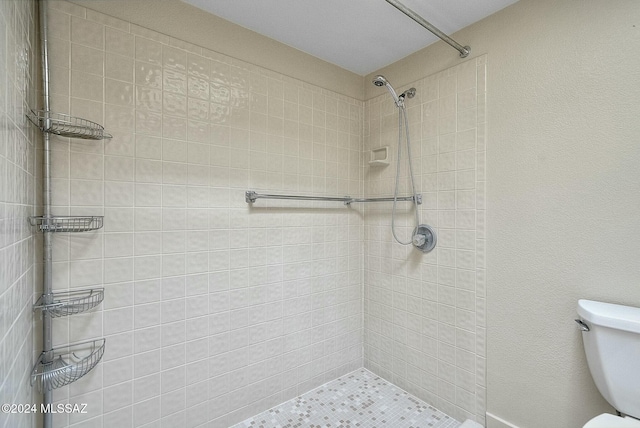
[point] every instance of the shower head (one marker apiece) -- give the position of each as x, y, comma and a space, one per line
380, 81
409, 93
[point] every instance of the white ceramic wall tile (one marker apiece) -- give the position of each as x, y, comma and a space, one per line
450, 175
206, 297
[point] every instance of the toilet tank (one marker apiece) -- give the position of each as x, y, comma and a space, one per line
612, 346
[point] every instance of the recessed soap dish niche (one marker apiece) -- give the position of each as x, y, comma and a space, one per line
379, 156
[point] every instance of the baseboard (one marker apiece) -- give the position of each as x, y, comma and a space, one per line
470, 424
495, 422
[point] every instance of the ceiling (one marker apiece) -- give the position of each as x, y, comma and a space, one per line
359, 35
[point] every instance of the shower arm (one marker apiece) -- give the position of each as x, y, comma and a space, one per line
464, 50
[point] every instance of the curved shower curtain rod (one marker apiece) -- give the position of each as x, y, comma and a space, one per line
464, 50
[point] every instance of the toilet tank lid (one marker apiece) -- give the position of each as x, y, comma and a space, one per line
620, 317
607, 420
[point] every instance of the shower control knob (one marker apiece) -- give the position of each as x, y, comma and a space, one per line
424, 238
419, 239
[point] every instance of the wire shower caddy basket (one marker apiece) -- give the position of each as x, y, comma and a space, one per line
62, 366
64, 303
67, 126
67, 223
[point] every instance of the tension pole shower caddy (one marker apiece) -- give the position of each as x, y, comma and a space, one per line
60, 366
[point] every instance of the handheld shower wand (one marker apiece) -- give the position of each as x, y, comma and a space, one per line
380, 81
423, 236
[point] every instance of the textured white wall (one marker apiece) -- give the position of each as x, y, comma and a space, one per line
563, 194
565, 201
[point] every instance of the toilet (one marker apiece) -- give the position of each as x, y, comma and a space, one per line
611, 338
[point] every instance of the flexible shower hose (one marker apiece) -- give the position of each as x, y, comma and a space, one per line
403, 122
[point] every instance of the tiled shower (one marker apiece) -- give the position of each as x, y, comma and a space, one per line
425, 313
216, 310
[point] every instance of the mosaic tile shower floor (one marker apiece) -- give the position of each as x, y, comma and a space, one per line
358, 399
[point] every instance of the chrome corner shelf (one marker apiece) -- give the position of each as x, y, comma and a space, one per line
64, 303
62, 366
67, 126
67, 223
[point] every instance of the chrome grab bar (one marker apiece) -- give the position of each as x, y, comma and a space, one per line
418, 199
250, 197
